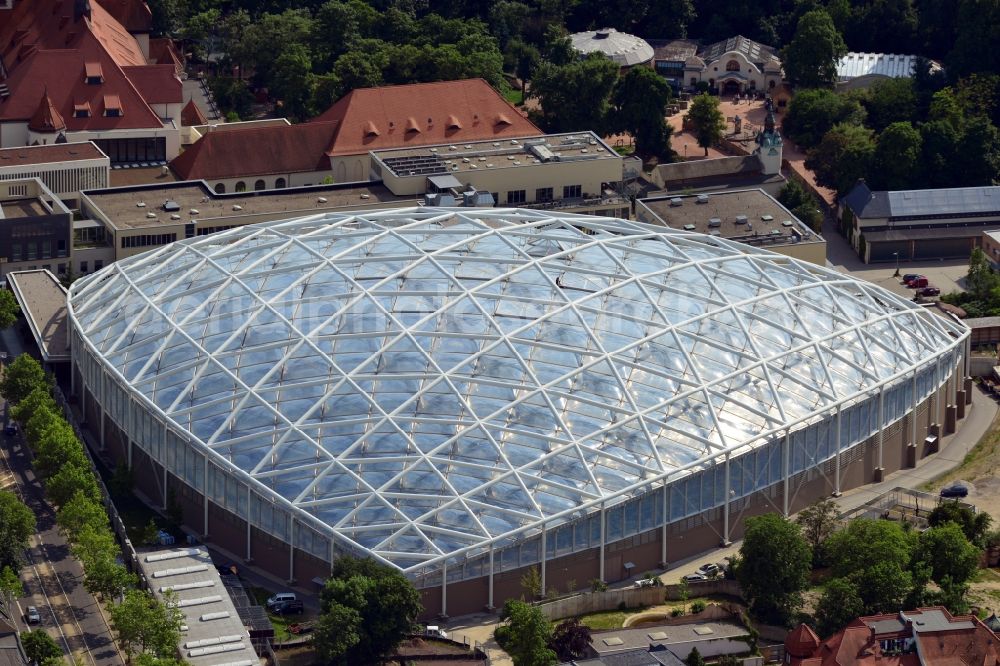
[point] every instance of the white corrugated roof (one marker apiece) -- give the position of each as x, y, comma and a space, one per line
854, 65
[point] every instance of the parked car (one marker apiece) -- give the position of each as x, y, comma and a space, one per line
955, 490
695, 577
10, 429
228, 570
32, 616
280, 598
910, 276
709, 570
917, 282
929, 291
435, 631
645, 582
288, 608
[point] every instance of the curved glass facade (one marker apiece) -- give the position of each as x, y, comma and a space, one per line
436, 386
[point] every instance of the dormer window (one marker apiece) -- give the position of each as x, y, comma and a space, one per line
370, 130
411, 126
502, 120
112, 106
453, 123
81, 110
93, 73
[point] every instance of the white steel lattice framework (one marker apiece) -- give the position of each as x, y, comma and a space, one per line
428, 385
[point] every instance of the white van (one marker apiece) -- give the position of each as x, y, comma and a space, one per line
280, 598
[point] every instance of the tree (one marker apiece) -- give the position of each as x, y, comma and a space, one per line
980, 281
356, 70
889, 101
975, 524
978, 154
795, 197
80, 512
38, 398
977, 23
939, 140
813, 113
896, 163
774, 567
145, 624
105, 576
575, 96
122, 480
10, 585
694, 658
639, 102
818, 521
9, 309
367, 609
21, 377
839, 605
151, 532
810, 59
949, 554
94, 542
527, 634
531, 583
17, 524
54, 442
570, 640
876, 556
707, 120
69, 480
39, 647
293, 80
842, 157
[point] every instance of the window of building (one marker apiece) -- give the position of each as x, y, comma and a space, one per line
543, 194
280, 183
220, 188
46, 249
61, 248
733, 66
61, 269
241, 186
98, 264
770, 84
572, 191
134, 151
145, 240
15, 252
694, 80
93, 74
516, 197
259, 185
83, 267
32, 251
81, 110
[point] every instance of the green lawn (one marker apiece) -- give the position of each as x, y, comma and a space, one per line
612, 619
515, 97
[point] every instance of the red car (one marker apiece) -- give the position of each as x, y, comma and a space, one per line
917, 282
929, 291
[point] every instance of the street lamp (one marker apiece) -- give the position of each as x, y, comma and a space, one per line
896, 254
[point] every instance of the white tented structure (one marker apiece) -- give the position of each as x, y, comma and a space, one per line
464, 392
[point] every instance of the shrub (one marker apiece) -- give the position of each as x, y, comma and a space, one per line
677, 612
697, 606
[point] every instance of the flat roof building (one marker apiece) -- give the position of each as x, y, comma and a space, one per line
860, 70
625, 49
752, 217
36, 228
43, 301
919, 224
65, 168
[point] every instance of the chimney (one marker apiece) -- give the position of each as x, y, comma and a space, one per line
81, 8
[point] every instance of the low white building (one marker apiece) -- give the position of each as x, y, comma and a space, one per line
65, 168
860, 70
734, 65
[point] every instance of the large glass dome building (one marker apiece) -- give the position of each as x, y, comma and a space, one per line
465, 393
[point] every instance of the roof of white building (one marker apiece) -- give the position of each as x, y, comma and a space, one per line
855, 64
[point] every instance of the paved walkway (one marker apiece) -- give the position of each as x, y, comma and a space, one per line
954, 447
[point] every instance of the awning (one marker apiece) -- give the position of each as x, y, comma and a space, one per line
85, 224
444, 182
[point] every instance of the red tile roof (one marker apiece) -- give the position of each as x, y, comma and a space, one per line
47, 118
158, 84
47, 154
801, 641
257, 151
192, 115
421, 114
163, 52
46, 46
134, 15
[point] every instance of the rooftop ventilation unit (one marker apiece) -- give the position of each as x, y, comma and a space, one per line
787, 223
193, 211
715, 222
689, 227
741, 219
321, 200
237, 207
445, 199
140, 204
767, 218
702, 199
676, 201
432, 199
543, 152
171, 206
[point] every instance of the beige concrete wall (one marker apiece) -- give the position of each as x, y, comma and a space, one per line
351, 168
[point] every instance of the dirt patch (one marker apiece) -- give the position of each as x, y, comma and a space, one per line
978, 472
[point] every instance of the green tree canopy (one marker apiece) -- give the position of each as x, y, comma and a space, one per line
144, 624
839, 605
575, 96
639, 104
694, 658
795, 197
876, 556
810, 59
527, 634
570, 640
38, 398
21, 377
367, 609
975, 524
896, 163
818, 521
17, 524
843, 156
56, 444
39, 647
949, 554
977, 159
774, 567
707, 121
889, 101
78, 513
9, 309
70, 479
980, 282
813, 113
11, 586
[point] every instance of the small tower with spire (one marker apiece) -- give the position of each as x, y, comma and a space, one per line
46, 124
769, 144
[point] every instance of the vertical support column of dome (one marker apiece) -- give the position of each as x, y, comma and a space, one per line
291, 550
601, 555
204, 497
725, 511
663, 528
836, 452
489, 598
880, 437
164, 465
128, 451
544, 552
911, 448
100, 415
249, 554
785, 451
444, 589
